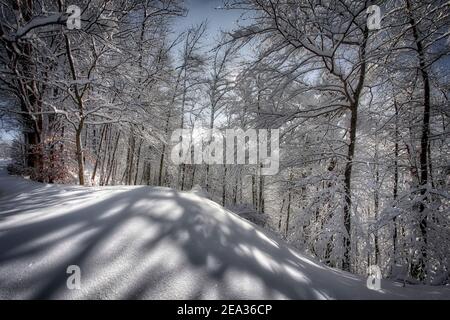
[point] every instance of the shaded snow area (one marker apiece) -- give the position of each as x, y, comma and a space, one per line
155, 243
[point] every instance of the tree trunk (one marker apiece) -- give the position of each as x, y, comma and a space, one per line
346, 263
254, 193
99, 150
131, 160
163, 152
288, 213
261, 191
79, 101
376, 205
347, 190
424, 141
281, 214
395, 191
111, 165
80, 158
224, 182
137, 161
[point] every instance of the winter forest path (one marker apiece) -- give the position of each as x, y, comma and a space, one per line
155, 243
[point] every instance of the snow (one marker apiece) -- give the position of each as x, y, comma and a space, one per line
40, 22
140, 242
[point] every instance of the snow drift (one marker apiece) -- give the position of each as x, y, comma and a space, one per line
155, 243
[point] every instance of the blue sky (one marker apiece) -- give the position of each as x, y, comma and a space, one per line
200, 10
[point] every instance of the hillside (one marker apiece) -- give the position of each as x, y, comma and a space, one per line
155, 243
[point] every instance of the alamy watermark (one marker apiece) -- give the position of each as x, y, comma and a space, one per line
230, 146
74, 19
73, 282
374, 17
374, 279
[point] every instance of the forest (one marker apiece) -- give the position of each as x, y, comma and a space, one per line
91, 94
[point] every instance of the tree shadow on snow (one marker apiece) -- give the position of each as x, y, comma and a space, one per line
155, 243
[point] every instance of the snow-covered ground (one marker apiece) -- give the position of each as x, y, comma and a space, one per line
155, 243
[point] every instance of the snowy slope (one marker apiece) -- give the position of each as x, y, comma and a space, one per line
155, 243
